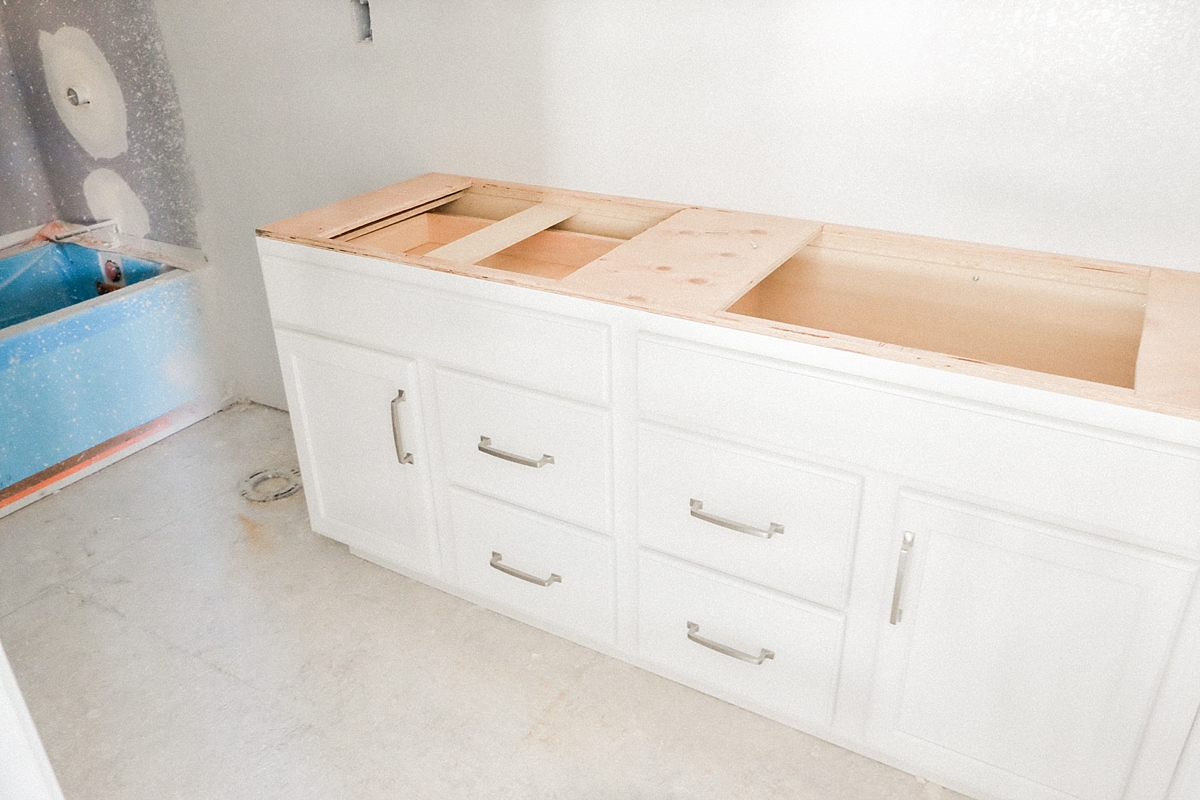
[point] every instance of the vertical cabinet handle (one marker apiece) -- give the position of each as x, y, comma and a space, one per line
401, 456
485, 446
765, 533
694, 634
516, 573
901, 569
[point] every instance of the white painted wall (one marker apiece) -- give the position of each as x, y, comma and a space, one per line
1064, 125
25, 772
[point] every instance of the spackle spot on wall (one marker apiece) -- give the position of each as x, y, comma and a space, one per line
84, 91
109, 197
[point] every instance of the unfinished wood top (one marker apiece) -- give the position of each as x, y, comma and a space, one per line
696, 262
700, 264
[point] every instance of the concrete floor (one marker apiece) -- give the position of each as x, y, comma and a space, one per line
175, 640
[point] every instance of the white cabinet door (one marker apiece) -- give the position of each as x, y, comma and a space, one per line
1026, 659
357, 422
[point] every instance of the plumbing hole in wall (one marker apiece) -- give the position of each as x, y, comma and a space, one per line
362, 13
271, 484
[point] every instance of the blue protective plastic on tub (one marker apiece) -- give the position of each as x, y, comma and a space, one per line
87, 376
56, 276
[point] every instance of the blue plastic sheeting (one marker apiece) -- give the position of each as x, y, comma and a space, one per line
56, 276
68, 386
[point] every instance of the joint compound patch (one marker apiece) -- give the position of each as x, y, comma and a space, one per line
109, 197
84, 91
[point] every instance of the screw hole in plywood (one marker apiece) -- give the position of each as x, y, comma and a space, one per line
269, 485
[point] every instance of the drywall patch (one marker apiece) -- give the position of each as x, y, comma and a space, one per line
84, 91
109, 197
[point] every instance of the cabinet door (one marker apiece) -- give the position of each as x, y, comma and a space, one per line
1025, 658
357, 422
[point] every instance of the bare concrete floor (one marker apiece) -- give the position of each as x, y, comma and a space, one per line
174, 640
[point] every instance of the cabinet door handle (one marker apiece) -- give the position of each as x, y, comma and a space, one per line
485, 446
694, 635
901, 570
765, 533
401, 456
516, 573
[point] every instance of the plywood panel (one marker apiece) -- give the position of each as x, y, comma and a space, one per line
503, 234
1168, 367
355, 212
698, 261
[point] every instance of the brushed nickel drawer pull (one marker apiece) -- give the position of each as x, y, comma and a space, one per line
764, 533
694, 635
901, 570
401, 456
516, 573
485, 446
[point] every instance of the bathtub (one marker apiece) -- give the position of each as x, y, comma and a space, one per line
101, 352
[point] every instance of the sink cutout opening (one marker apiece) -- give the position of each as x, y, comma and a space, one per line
552, 253
941, 303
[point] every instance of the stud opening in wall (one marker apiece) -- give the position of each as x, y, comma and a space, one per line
362, 13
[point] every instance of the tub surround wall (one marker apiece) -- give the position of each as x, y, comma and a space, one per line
155, 165
27, 198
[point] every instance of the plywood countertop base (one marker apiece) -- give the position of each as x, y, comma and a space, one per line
1117, 333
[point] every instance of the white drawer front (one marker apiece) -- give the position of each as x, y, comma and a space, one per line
575, 486
542, 351
692, 493
577, 568
799, 680
1130, 488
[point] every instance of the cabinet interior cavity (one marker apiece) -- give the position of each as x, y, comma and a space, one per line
991, 305
513, 234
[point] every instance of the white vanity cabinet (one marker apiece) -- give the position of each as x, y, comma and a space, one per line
975, 561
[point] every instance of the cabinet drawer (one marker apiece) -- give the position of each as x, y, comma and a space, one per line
678, 605
1130, 487
542, 351
564, 576
536, 451
800, 521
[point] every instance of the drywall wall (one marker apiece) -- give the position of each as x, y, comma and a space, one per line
26, 200
131, 133
1057, 125
25, 771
